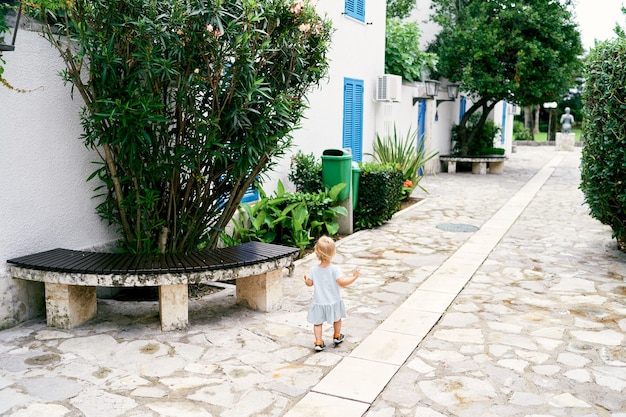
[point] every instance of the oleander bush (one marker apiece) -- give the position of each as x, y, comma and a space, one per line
603, 166
187, 103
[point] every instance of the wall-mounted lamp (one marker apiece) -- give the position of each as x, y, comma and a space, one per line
18, 7
453, 93
432, 89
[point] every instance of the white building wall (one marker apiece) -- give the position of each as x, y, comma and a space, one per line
45, 201
357, 51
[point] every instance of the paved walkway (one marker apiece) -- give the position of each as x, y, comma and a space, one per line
496, 295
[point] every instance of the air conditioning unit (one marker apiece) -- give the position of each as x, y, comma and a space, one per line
388, 87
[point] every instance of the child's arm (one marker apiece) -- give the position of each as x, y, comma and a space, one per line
345, 281
308, 281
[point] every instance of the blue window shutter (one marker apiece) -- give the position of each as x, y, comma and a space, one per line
462, 108
503, 136
251, 195
348, 112
353, 117
355, 9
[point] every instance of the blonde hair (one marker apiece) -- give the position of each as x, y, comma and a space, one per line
325, 248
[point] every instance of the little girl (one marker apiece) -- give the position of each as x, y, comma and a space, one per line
327, 305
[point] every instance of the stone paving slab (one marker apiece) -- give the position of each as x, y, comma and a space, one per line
537, 330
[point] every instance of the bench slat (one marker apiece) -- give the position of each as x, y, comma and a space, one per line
71, 261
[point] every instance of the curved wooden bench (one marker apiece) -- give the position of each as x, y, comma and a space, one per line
479, 163
71, 278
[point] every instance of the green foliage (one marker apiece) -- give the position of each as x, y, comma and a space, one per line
295, 219
187, 104
402, 54
407, 153
400, 9
603, 168
483, 140
523, 52
492, 151
520, 132
305, 172
380, 194
5, 9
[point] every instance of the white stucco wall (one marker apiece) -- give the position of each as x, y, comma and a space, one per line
357, 51
45, 200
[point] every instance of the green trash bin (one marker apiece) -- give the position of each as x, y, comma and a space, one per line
336, 169
356, 174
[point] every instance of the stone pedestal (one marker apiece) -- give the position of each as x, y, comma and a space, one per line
174, 307
262, 292
68, 306
565, 141
479, 168
496, 167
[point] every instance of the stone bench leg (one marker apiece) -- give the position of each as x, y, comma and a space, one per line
173, 307
261, 292
68, 306
451, 167
479, 168
496, 167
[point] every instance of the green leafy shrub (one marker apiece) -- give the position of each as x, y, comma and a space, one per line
483, 140
306, 173
492, 151
380, 194
603, 168
294, 219
520, 132
6, 7
402, 50
407, 153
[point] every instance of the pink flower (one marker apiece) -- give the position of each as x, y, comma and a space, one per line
305, 27
297, 7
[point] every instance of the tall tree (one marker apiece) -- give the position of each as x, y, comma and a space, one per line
522, 51
400, 8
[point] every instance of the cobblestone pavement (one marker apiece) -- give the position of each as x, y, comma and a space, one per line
536, 330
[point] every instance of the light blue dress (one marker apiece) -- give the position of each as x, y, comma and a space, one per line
327, 305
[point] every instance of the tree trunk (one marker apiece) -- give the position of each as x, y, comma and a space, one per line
536, 119
528, 117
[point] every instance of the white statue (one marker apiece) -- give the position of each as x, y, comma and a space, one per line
567, 120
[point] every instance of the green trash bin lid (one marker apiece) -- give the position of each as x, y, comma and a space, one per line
335, 152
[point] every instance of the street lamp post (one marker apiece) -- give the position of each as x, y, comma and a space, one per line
551, 106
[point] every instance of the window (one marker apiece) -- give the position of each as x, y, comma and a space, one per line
356, 9
353, 117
